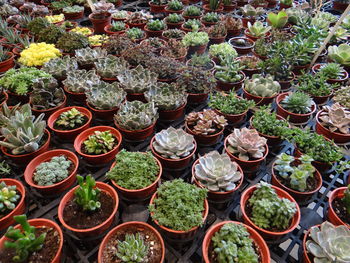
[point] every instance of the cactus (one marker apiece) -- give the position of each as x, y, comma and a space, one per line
78, 80
132, 249
110, 66
8, 198
262, 86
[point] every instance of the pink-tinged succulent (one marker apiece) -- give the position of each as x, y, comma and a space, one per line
247, 143
336, 118
205, 122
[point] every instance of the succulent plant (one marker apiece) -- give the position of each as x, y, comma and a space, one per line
132, 249
173, 33
105, 96
87, 56
329, 243
192, 10
51, 34
156, 25
246, 143
8, 198
258, 29
332, 71
340, 54
136, 115
78, 80
232, 23
217, 30
100, 142
135, 33
116, 44
164, 67
175, 49
70, 41
297, 102
342, 96
173, 143
166, 96
196, 80
137, 80
59, 67
87, 194
139, 55
250, 11
37, 24
262, 86
336, 118
70, 119
206, 122
110, 66
230, 70
5, 169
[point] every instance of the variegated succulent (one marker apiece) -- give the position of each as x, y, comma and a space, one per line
173, 143
262, 86
206, 122
336, 118
246, 143
87, 56
217, 172
78, 80
110, 66
59, 67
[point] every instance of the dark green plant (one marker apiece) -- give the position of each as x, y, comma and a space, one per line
70, 119
165, 67
175, 5
214, 4
196, 80
156, 25
315, 85
51, 34
346, 199
118, 26
8, 198
192, 11
201, 60
195, 39
134, 170
261, 47
211, 17
87, 195
70, 41
230, 103
332, 71
23, 241
178, 205
132, 249
59, 5
174, 33
135, 33
4, 55
174, 18
100, 142
192, 24
297, 102
116, 44
37, 24
5, 169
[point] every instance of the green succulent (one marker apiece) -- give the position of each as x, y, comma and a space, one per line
87, 195
70, 119
8, 198
174, 18
211, 17
51, 34
258, 29
297, 102
71, 41
133, 249
118, 26
340, 54
5, 169
346, 199
156, 25
175, 5
100, 142
135, 33
37, 24
230, 103
192, 10
195, 39
262, 86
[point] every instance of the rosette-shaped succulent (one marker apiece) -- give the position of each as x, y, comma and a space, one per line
336, 118
205, 122
110, 66
87, 56
173, 143
247, 143
262, 86
59, 67
329, 243
78, 80
137, 80
217, 172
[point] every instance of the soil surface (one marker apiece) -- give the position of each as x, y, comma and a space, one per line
74, 215
311, 182
44, 255
340, 209
61, 128
9, 211
154, 246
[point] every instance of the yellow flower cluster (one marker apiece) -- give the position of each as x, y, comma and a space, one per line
82, 30
97, 40
38, 53
55, 19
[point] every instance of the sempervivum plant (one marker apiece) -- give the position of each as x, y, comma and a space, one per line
329, 243
110, 66
87, 56
166, 96
132, 249
136, 115
59, 67
206, 122
173, 143
336, 118
116, 44
196, 80
78, 80
8, 198
217, 172
137, 80
246, 144
297, 102
262, 86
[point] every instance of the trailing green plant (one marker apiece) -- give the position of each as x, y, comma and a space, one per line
175, 5
87, 194
5, 169
211, 17
195, 39
71, 41
174, 18
70, 119
156, 25
230, 103
135, 33
99, 142
196, 80
186, 212
118, 26
262, 86
193, 24
297, 102
278, 20
340, 54
78, 80
59, 67
206, 122
315, 85
229, 70
132, 249
37, 24
258, 29
23, 241
192, 10
134, 170
51, 34
9, 197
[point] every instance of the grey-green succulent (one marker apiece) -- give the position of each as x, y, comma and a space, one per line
336, 118
87, 56
262, 86
59, 67
110, 66
133, 249
8, 198
78, 80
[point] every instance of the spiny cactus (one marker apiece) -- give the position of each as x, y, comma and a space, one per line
110, 66
132, 249
8, 198
262, 86
336, 118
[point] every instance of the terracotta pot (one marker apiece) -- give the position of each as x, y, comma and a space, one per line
194, 98
229, 8
74, 16
151, 33
141, 226
191, 17
259, 56
99, 229
106, 115
109, 80
259, 100
285, 84
139, 25
196, 49
46, 157
242, 50
320, 100
173, 163
266, 234
207, 9
16, 51
8, 220
217, 40
205, 139
293, 117
221, 197
183, 28
168, 11
262, 247
156, 8
317, 67
173, 25
139, 194
232, 119
171, 115
99, 24
233, 33
23, 159
284, 6
254, 38
109, 32
332, 216
8, 63
208, 24
6, 97
136, 135
43, 222
69, 134
178, 234
297, 70
99, 158
245, 21
48, 112
78, 97
320, 166
227, 86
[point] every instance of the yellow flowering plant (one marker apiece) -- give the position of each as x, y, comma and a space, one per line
97, 40
82, 30
55, 18
37, 54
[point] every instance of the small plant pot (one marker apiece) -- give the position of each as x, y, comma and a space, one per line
74, 16
49, 112
293, 117
266, 234
168, 11
79, 97
285, 84
174, 25
99, 24
245, 21
233, 33
240, 49
156, 8
232, 119
298, 70
141, 227
5, 99
138, 25
259, 100
258, 241
320, 100
196, 49
196, 98
8, 220
254, 38
151, 33
171, 115
217, 40
207, 9
69, 134
139, 194
99, 229
259, 56
320, 166
187, 30
227, 86
191, 17
332, 215
178, 234
173, 163
24, 159
8, 63
317, 67
109, 32
136, 135
38, 223
205, 139
229, 8
106, 115
46, 157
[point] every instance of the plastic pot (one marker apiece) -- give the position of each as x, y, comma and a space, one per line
240, 49
136, 96
99, 24
257, 99
8, 63
151, 33
217, 40
106, 115
320, 166
173, 25
232, 119
109, 32
196, 98
207, 9
69, 134
79, 97
284, 6
205, 139
332, 216
297, 70
136, 135
227, 86
50, 111
6, 97
171, 115
229, 8
340, 6
8, 220
139, 25
196, 49
94, 231
46, 157
168, 11
285, 84
74, 16
156, 8
207, 24
233, 33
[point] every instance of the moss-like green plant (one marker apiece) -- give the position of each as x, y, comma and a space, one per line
8, 198
230, 104
87, 195
51, 34
99, 142
133, 249
37, 24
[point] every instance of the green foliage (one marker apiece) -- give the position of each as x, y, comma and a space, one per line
315, 85
73, 9
71, 41
222, 51
8, 198
346, 199
193, 24
196, 80
87, 195
192, 11
135, 33
262, 86
297, 102
211, 17
59, 67
200, 60
156, 25
332, 71
214, 4
59, 5
70, 119
258, 29
230, 103
100, 142
118, 26
340, 54
133, 249
277, 20
53, 171
50, 34
37, 24
179, 205
195, 39
283, 165
175, 5
229, 71
5, 168
134, 170
24, 242
270, 211
174, 18
232, 243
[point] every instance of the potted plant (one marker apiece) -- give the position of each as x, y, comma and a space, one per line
192, 25
229, 75
89, 208
120, 15
297, 106
135, 34
174, 148
59, 67
44, 52
137, 19
284, 4
217, 33
6, 60
86, 57
210, 19
135, 175
70, 41
196, 42
174, 6
109, 67
242, 45
179, 221
233, 108
155, 28
173, 21
342, 96
213, 6
250, 245
101, 17
84, 31
233, 25
43, 239
12, 195
339, 54
155, 44
218, 174
219, 52
333, 122
166, 68
192, 12
122, 239
117, 27
175, 49
206, 126
68, 122
333, 72
202, 61
250, 14
73, 12
279, 20
256, 30
338, 210
261, 48
157, 6
251, 65
117, 44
